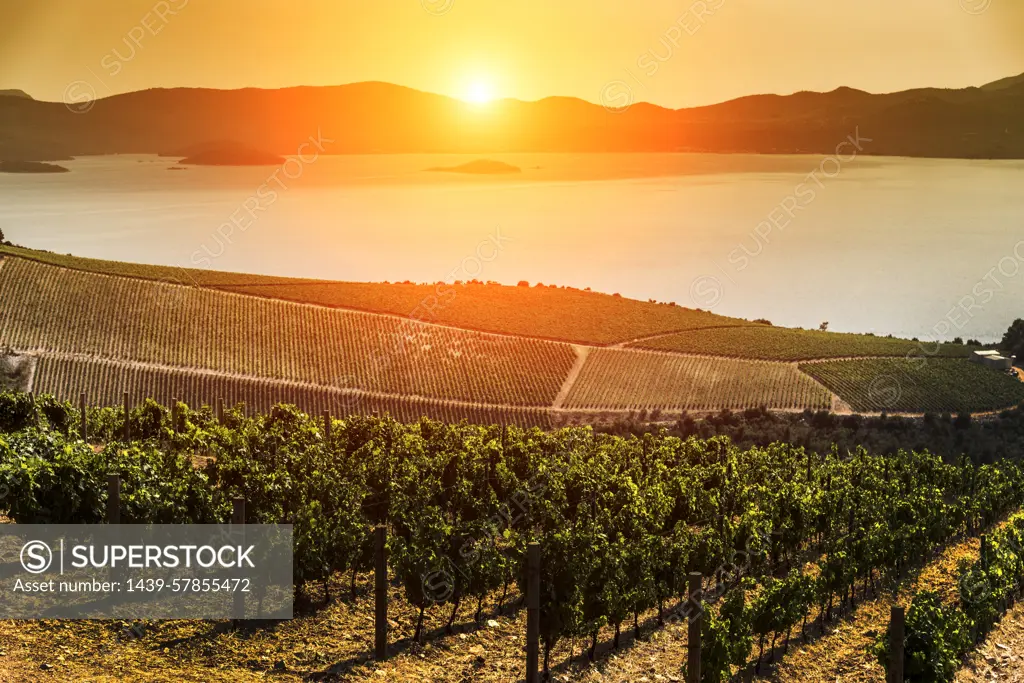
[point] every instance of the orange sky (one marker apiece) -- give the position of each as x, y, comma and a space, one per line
672, 52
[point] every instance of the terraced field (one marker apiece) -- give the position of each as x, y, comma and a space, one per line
558, 313
104, 383
785, 344
917, 385
262, 350
632, 380
55, 309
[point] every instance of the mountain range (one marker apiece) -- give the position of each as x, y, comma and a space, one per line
373, 117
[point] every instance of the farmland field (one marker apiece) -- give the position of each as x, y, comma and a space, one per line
780, 343
104, 383
631, 380
642, 513
901, 385
55, 309
544, 312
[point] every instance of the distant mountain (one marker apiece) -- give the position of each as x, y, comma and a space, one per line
366, 118
1005, 83
15, 93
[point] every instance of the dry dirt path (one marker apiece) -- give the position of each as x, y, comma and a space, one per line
582, 352
1001, 656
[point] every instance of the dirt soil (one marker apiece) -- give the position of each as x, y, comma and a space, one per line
1001, 656
334, 642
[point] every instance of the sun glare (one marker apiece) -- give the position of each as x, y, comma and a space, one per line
479, 92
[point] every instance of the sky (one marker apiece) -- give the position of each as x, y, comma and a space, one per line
670, 52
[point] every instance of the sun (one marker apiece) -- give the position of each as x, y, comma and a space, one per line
479, 92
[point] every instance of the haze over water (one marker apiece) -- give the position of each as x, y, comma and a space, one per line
911, 247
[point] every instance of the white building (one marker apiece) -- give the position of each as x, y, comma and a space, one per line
993, 359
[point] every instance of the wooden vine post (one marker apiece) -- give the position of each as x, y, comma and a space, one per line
327, 425
693, 643
127, 417
220, 412
380, 576
238, 520
174, 414
532, 612
114, 517
113, 498
83, 414
897, 626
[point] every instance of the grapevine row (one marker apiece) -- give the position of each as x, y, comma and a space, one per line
630, 380
621, 522
104, 383
55, 309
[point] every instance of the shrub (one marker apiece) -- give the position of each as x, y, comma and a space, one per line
17, 411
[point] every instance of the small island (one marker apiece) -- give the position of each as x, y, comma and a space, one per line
227, 153
479, 167
234, 158
30, 167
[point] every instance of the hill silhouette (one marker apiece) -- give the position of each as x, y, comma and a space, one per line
367, 118
226, 153
479, 167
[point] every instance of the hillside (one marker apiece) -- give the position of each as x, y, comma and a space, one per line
561, 314
781, 343
104, 328
372, 118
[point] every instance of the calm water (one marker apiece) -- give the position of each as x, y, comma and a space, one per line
902, 246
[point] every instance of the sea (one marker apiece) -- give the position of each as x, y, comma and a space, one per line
926, 248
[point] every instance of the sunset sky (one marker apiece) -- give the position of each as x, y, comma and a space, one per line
668, 52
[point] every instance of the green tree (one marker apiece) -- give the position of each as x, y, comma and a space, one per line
1013, 340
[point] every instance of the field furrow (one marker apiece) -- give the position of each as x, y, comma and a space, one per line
104, 382
53, 309
633, 380
918, 385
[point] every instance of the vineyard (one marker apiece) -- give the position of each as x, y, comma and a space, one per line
558, 313
105, 382
782, 536
630, 380
54, 309
784, 344
160, 338
917, 385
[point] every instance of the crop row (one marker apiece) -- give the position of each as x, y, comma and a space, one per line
621, 521
49, 308
631, 380
939, 634
104, 383
918, 385
785, 344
